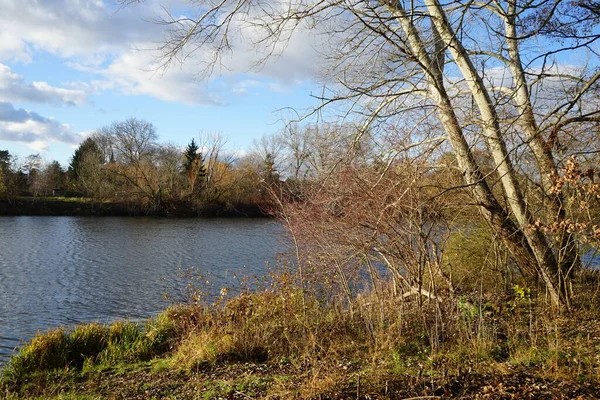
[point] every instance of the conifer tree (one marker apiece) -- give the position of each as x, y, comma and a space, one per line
193, 165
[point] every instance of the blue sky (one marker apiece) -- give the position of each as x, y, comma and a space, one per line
68, 67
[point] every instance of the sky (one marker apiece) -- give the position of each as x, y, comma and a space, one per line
69, 67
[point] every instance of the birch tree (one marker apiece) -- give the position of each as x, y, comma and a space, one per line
504, 77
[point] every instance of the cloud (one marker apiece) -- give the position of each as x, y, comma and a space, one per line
93, 37
13, 88
240, 71
20, 125
13, 48
134, 73
245, 86
72, 28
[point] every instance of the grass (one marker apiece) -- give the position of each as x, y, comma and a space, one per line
90, 345
286, 344
62, 199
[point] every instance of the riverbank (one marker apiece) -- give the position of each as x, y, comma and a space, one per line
281, 344
77, 206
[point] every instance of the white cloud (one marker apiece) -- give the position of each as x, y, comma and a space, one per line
243, 87
13, 48
294, 58
13, 88
133, 73
39, 146
71, 28
20, 125
93, 37
240, 71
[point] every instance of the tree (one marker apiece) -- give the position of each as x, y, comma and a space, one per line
53, 177
135, 150
32, 165
2, 184
474, 69
4, 160
193, 165
4, 172
87, 149
218, 164
297, 143
270, 173
13, 178
169, 165
86, 170
133, 140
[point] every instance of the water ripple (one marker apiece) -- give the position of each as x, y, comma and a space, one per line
56, 271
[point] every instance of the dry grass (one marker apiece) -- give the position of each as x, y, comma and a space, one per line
327, 348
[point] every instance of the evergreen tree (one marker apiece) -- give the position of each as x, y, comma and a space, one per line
4, 160
2, 185
5, 173
270, 172
54, 175
193, 165
88, 148
190, 155
85, 167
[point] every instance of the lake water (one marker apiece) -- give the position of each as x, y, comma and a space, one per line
57, 271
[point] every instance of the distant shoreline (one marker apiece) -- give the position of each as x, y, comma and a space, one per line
59, 206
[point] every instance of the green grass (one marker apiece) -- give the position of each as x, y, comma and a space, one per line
90, 345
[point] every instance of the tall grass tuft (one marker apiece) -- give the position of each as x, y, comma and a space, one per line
86, 341
46, 351
92, 344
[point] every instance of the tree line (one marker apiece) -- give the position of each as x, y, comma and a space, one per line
125, 162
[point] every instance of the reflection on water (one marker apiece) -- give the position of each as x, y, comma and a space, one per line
62, 270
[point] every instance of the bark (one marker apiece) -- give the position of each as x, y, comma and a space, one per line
568, 257
527, 247
547, 266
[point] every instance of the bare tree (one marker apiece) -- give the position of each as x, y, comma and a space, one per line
169, 166
32, 167
135, 147
476, 69
218, 164
94, 177
296, 142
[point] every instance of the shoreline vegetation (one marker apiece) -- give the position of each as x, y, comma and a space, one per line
123, 170
285, 343
81, 206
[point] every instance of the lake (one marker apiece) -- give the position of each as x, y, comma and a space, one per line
59, 271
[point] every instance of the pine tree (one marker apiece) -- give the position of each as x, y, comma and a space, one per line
270, 172
190, 155
4, 171
2, 185
193, 165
